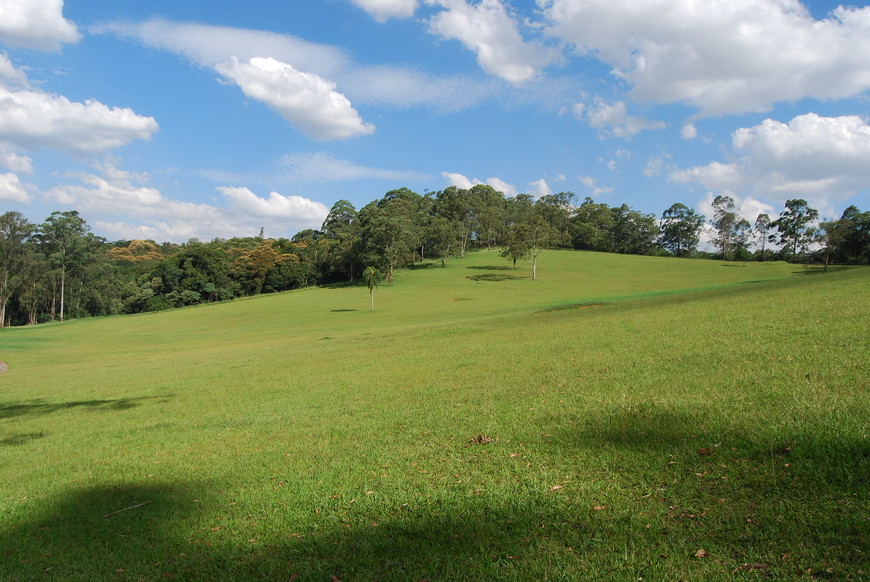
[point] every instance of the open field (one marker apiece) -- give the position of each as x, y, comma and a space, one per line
605, 422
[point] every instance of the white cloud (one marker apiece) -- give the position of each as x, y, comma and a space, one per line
208, 46
121, 205
465, 183
35, 24
721, 57
500, 185
34, 119
689, 131
540, 188
383, 10
307, 101
12, 161
10, 75
459, 180
613, 119
12, 190
296, 208
594, 188
494, 35
821, 159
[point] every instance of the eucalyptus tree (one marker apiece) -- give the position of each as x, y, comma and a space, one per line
794, 223
62, 239
680, 229
725, 221
528, 233
762, 231
389, 231
16, 256
592, 226
633, 233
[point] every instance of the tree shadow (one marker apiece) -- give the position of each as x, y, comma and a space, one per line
342, 310
40, 407
787, 489
135, 531
490, 268
21, 438
493, 277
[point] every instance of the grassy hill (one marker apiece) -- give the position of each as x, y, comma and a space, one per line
619, 418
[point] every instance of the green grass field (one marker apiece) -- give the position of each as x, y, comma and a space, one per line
620, 418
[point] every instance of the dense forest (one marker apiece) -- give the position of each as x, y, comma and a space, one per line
59, 269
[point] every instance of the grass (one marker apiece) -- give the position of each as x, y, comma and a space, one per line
637, 410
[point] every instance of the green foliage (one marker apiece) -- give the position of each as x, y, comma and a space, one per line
680, 230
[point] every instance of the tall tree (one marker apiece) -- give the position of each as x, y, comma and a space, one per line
592, 227
680, 229
725, 221
15, 256
762, 230
62, 240
388, 230
793, 224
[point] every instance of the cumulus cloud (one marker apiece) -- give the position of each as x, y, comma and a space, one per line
35, 119
613, 120
729, 57
383, 10
307, 101
295, 208
494, 35
12, 161
465, 183
216, 46
10, 75
540, 188
122, 205
35, 24
12, 190
822, 159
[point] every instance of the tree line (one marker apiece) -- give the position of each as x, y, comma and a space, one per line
59, 269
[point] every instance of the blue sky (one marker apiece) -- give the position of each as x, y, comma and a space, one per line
178, 120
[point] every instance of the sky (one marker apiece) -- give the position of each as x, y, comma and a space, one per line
171, 120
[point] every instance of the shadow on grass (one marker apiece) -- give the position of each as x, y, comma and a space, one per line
764, 489
490, 268
21, 438
133, 531
494, 277
40, 407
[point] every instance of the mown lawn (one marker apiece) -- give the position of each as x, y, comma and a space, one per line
619, 418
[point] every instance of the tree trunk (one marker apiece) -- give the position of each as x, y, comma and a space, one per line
62, 284
372, 298
534, 267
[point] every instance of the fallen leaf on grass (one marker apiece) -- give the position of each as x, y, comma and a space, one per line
599, 508
706, 451
701, 554
555, 487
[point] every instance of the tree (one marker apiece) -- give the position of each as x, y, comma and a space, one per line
15, 256
62, 238
633, 232
373, 278
388, 230
529, 233
793, 224
592, 227
725, 221
680, 229
762, 230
